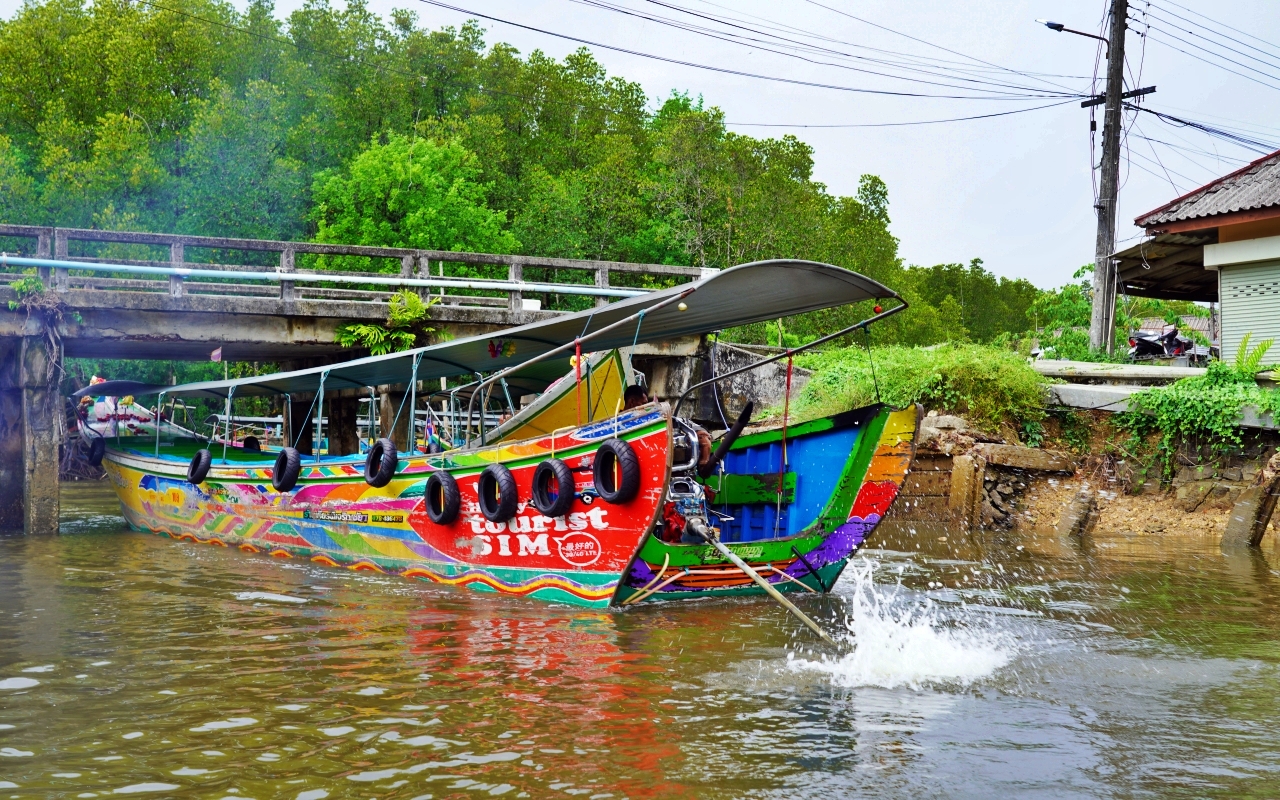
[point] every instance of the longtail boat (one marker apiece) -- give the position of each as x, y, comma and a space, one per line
575, 500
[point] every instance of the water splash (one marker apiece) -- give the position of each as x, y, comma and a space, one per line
899, 638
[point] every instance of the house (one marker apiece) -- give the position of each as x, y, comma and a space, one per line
1217, 244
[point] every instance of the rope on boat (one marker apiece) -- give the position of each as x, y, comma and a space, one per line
297, 435
872, 361
666, 559
782, 468
646, 595
413, 384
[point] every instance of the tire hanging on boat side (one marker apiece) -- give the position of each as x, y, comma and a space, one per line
197, 470
284, 476
442, 498
616, 471
380, 464
553, 488
497, 493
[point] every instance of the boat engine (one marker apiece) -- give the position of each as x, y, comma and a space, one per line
684, 514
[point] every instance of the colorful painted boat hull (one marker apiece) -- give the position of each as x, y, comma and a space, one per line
334, 517
843, 473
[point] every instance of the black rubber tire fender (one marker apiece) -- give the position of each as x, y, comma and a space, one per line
284, 476
97, 449
380, 464
497, 493
553, 477
616, 471
442, 498
197, 470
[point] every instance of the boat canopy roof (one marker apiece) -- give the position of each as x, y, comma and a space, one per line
740, 295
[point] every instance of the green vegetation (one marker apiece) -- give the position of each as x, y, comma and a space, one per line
1202, 413
339, 126
406, 312
1062, 316
989, 385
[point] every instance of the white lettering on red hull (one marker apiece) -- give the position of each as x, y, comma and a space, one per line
577, 548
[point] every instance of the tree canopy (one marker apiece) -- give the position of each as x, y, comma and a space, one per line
341, 126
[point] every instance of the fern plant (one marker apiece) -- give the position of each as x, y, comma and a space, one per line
1249, 362
405, 312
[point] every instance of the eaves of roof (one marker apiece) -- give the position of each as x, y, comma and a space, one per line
1253, 186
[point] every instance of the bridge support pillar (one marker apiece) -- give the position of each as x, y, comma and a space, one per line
389, 402
31, 412
42, 408
344, 437
11, 445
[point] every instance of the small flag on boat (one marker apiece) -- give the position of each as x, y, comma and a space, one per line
216, 355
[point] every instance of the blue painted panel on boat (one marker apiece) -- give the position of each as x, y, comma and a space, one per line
817, 459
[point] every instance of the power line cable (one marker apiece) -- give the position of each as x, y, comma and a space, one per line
701, 30
924, 41
1258, 146
713, 68
1222, 25
894, 124
1173, 25
759, 44
969, 67
1201, 48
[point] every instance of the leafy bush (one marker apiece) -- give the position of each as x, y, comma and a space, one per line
989, 385
1203, 411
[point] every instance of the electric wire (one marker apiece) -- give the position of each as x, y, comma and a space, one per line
894, 124
924, 41
1222, 25
718, 69
788, 43
932, 61
1249, 143
1274, 64
1161, 33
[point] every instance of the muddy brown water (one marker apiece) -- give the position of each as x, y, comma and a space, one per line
997, 663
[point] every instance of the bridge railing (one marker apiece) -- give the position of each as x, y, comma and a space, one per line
450, 276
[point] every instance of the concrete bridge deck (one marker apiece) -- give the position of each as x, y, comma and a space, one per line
176, 317
130, 314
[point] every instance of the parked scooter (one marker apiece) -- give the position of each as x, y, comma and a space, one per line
1146, 345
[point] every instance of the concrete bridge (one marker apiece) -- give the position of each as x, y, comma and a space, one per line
180, 297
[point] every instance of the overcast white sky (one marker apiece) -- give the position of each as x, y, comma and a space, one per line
1015, 191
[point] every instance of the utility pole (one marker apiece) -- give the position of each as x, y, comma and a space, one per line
1102, 323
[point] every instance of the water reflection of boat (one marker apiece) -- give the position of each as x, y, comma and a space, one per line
574, 500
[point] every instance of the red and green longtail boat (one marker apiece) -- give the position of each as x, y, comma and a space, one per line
621, 508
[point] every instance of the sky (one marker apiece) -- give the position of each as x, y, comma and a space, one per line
1014, 190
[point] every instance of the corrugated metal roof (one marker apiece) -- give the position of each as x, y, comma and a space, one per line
1169, 266
1254, 186
1187, 323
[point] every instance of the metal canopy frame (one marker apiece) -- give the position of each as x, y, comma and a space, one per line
740, 295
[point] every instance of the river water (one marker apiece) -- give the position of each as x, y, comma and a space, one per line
1014, 663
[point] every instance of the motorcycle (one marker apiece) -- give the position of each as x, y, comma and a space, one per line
1148, 345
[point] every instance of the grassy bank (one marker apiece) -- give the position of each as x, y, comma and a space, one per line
990, 386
